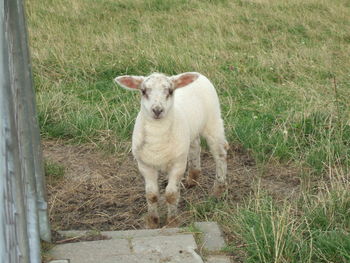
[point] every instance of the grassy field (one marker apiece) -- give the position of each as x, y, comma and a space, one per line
282, 71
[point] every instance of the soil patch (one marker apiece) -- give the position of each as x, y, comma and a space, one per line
100, 191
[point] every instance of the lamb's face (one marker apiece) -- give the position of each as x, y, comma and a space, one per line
157, 90
157, 95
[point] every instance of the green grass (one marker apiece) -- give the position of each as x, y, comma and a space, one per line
281, 69
54, 172
273, 63
315, 230
53, 169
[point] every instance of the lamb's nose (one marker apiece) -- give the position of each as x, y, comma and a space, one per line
157, 111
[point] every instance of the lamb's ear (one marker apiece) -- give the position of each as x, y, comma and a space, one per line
130, 82
184, 79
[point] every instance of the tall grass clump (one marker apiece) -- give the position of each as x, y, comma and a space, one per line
313, 229
270, 233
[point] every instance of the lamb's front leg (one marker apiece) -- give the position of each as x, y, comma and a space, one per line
152, 194
172, 191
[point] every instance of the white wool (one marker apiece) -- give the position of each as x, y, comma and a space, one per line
159, 143
175, 111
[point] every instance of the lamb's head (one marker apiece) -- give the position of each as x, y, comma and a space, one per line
157, 90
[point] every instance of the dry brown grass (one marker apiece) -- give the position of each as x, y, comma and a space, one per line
100, 191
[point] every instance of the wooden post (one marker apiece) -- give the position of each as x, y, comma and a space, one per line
23, 217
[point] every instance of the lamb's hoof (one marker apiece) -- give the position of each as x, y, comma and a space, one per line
172, 221
192, 178
152, 222
190, 183
219, 189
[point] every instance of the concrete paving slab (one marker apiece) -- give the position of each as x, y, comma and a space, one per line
212, 237
158, 249
178, 248
168, 245
158, 258
92, 251
217, 259
127, 233
142, 233
137, 258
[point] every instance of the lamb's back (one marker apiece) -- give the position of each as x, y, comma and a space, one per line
198, 103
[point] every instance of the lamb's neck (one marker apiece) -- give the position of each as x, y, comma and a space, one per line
160, 127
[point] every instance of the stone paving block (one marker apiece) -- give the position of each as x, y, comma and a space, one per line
127, 233
218, 259
142, 233
178, 248
164, 244
137, 258
157, 258
104, 251
143, 246
212, 237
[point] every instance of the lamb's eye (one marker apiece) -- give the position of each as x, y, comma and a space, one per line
170, 93
144, 93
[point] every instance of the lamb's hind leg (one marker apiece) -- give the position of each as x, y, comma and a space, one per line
152, 194
194, 163
218, 145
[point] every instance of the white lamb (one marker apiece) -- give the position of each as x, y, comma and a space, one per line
175, 112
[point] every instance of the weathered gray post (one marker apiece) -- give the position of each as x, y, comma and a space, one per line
29, 134
13, 227
23, 213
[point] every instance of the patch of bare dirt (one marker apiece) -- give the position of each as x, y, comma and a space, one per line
100, 191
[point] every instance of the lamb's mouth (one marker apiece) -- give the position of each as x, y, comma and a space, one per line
157, 117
